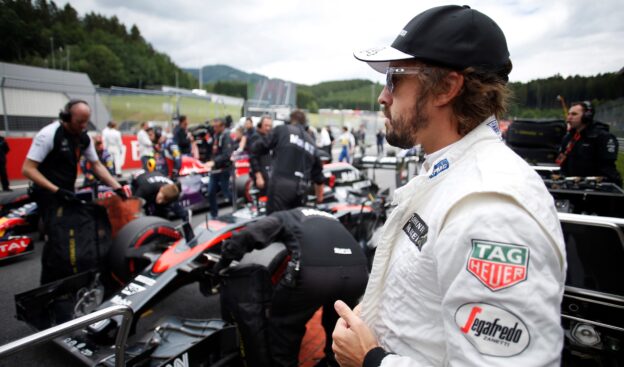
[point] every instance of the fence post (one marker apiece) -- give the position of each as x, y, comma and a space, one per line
4, 109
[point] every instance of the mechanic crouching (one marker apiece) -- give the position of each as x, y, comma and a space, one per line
326, 264
160, 194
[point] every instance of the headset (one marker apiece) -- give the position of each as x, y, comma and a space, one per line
588, 112
65, 114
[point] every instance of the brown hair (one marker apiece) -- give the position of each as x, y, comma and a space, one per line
170, 193
297, 117
483, 94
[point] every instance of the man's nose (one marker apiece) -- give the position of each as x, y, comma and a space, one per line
385, 97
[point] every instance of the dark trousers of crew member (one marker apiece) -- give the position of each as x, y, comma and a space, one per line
218, 181
47, 205
285, 193
3, 175
327, 149
163, 210
292, 307
261, 191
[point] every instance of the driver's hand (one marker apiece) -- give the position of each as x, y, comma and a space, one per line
260, 182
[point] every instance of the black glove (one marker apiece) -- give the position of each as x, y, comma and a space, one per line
291, 274
121, 193
221, 265
66, 196
232, 250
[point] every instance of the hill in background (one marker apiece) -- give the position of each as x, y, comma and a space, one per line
219, 72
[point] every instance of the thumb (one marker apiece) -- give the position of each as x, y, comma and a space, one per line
345, 313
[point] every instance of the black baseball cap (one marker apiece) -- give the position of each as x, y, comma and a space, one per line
453, 36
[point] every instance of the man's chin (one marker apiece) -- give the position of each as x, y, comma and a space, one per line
398, 142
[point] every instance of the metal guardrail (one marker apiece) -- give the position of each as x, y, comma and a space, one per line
81, 322
621, 144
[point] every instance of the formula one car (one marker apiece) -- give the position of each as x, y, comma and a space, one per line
13, 227
194, 177
21, 219
150, 259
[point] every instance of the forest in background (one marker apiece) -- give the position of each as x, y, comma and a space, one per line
41, 34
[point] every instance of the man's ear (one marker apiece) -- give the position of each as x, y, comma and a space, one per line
453, 83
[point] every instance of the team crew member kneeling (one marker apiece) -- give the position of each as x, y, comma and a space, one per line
326, 264
160, 194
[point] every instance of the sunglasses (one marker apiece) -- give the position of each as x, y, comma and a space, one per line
392, 71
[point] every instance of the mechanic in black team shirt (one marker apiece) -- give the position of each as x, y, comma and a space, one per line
220, 165
51, 164
260, 165
160, 194
326, 264
295, 165
588, 149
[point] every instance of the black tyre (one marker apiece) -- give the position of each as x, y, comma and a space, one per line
240, 183
247, 194
124, 259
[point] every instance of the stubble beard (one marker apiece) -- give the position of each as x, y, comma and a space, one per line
404, 129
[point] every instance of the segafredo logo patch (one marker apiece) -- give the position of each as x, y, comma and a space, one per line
492, 330
439, 167
498, 265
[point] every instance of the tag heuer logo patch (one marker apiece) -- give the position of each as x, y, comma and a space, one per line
498, 265
416, 230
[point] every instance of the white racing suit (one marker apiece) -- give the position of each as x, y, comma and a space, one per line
470, 267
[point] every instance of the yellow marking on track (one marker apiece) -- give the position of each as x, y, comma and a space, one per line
147, 313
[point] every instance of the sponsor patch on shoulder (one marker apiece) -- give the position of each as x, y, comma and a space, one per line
439, 167
492, 330
498, 265
416, 230
493, 124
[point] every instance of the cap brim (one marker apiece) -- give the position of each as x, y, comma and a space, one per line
379, 58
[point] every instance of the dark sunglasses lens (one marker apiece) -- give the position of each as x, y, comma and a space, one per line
389, 83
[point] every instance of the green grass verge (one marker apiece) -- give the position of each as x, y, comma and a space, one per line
160, 108
619, 164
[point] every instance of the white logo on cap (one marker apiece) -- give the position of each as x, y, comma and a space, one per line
373, 51
403, 33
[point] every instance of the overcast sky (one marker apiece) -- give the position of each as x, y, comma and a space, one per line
313, 41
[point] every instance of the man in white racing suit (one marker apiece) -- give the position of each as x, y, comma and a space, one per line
470, 266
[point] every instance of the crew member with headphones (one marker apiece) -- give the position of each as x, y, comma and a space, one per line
588, 149
51, 164
295, 164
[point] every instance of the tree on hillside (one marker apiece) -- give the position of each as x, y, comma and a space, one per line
39, 33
